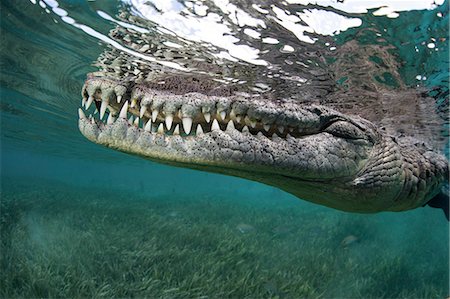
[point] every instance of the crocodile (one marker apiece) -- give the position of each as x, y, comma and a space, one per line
337, 147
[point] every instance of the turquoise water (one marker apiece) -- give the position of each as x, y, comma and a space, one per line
80, 220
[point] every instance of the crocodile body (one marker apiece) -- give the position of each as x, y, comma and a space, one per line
333, 146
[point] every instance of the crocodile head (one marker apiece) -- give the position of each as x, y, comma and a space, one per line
286, 124
312, 151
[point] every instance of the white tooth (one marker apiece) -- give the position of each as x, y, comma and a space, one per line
89, 102
92, 121
199, 130
207, 117
223, 114
253, 123
154, 115
103, 109
95, 111
83, 102
160, 129
110, 119
142, 111
130, 120
238, 119
281, 129
232, 113
215, 125
169, 120
133, 103
148, 126
176, 131
119, 98
245, 129
136, 122
124, 110
259, 134
187, 124
267, 127
289, 136
81, 114
230, 126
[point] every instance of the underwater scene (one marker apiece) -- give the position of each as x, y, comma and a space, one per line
88, 211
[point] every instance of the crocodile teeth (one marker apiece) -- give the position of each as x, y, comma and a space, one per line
176, 131
160, 129
148, 126
207, 117
124, 110
187, 124
89, 102
81, 114
142, 111
110, 119
199, 130
230, 126
223, 114
103, 108
173, 119
154, 115
169, 120
215, 125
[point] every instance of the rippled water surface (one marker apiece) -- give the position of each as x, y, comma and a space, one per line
80, 220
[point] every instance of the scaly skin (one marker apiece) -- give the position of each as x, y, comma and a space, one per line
190, 117
311, 151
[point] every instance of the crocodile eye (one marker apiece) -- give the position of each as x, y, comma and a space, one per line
345, 130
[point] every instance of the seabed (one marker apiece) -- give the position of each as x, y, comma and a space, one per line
58, 240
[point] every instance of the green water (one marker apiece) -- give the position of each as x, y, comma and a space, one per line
78, 220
